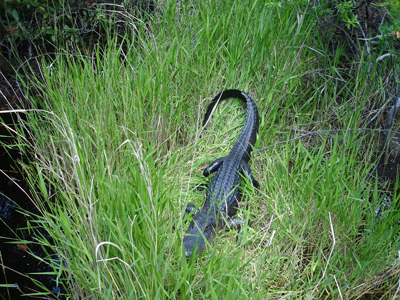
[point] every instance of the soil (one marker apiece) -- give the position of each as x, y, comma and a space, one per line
14, 193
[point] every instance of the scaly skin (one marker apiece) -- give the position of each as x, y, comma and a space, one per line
223, 194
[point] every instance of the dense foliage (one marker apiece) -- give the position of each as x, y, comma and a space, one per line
42, 23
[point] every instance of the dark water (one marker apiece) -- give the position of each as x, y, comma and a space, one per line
17, 264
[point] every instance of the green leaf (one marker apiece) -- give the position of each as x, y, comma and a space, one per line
14, 13
50, 31
9, 285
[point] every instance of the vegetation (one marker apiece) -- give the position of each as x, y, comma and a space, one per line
29, 26
117, 144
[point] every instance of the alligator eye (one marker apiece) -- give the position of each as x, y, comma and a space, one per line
207, 227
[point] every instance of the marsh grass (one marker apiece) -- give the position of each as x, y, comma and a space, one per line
118, 145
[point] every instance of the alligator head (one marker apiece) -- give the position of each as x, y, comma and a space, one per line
203, 228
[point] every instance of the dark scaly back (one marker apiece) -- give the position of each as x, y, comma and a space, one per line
222, 192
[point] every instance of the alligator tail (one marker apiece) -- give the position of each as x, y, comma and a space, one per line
222, 96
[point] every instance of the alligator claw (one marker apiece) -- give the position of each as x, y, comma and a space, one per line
238, 222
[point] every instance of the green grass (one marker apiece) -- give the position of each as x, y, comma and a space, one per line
118, 144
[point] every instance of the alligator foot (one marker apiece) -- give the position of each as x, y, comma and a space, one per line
200, 187
238, 222
189, 208
247, 172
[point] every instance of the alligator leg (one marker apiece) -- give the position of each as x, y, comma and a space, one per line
189, 209
237, 222
200, 187
214, 166
247, 172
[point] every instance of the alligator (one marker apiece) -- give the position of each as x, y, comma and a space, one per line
223, 194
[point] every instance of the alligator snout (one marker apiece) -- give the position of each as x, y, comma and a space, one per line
194, 244
201, 230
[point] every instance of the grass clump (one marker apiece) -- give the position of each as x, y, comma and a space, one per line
118, 145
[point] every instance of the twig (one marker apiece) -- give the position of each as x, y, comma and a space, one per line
379, 111
318, 132
369, 39
366, 42
384, 56
337, 284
